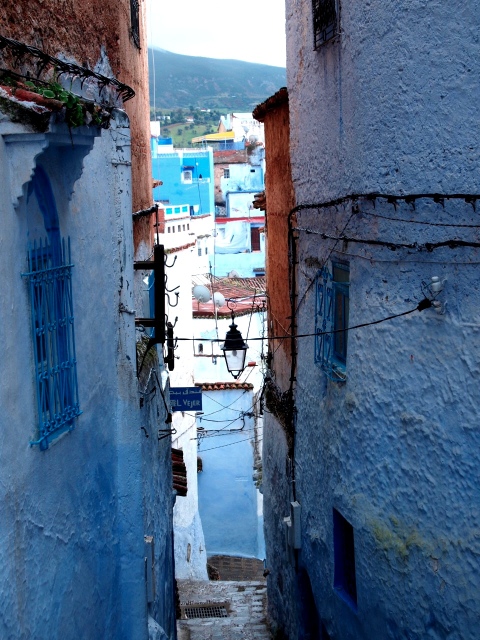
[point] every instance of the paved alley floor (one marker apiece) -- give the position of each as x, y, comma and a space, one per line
236, 568
244, 604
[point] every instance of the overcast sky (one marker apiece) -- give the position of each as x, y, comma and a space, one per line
251, 30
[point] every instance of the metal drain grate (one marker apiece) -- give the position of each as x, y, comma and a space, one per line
204, 610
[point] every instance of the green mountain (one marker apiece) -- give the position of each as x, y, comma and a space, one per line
207, 83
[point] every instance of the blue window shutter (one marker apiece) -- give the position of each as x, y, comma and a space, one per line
328, 324
320, 293
326, 341
323, 317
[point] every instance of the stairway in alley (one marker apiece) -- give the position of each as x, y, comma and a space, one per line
232, 608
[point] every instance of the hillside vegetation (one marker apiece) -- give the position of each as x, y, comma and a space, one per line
207, 83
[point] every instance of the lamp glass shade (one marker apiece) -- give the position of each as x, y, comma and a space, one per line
235, 351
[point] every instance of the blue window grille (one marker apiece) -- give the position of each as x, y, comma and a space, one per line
331, 320
50, 283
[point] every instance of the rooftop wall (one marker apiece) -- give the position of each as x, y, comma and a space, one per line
98, 37
388, 104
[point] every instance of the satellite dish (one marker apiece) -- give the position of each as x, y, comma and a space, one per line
218, 299
201, 293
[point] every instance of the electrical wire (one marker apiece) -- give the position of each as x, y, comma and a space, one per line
399, 260
429, 224
161, 392
423, 304
239, 417
391, 198
210, 434
251, 314
230, 444
426, 246
242, 414
227, 406
332, 249
224, 407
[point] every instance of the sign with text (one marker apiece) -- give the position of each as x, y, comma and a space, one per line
186, 398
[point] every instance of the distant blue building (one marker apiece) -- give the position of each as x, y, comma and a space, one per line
187, 177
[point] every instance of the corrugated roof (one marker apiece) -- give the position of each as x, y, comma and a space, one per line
215, 137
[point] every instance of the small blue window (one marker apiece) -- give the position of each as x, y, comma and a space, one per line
325, 20
345, 581
50, 282
331, 320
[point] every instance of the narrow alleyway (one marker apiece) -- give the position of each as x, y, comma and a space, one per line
238, 602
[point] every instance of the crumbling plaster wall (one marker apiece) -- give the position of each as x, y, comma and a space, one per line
72, 531
394, 448
97, 36
279, 202
388, 106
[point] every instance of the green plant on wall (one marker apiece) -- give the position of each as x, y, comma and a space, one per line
74, 112
77, 112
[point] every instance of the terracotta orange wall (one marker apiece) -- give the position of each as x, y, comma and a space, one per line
279, 202
78, 29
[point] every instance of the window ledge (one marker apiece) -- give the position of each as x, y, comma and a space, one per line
340, 591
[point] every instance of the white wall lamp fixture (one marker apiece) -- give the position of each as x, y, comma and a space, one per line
436, 287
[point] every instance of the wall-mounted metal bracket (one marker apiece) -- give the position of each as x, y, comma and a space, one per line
170, 359
157, 265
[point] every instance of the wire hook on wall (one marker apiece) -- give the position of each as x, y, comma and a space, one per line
172, 306
166, 433
170, 290
169, 266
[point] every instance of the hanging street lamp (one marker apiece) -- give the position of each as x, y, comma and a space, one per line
235, 350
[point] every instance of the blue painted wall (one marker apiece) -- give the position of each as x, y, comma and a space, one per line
394, 449
243, 263
74, 516
167, 167
226, 491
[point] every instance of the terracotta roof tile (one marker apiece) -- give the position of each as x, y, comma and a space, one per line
279, 98
242, 290
224, 386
